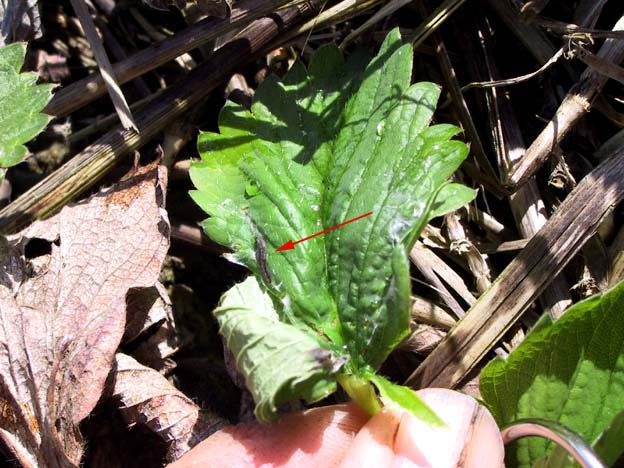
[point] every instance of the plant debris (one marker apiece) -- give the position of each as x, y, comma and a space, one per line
64, 312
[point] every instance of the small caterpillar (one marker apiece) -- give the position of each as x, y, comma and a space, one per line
327, 361
261, 258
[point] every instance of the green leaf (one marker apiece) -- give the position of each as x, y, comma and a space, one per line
405, 397
321, 147
280, 362
570, 371
608, 446
450, 198
22, 102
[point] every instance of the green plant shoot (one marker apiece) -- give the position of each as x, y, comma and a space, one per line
320, 147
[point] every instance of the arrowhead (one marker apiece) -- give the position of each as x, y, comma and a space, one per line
290, 245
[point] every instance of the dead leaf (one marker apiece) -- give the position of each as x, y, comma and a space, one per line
19, 21
146, 307
52, 68
60, 328
157, 350
148, 398
112, 445
150, 323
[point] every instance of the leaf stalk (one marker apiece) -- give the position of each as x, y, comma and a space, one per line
361, 391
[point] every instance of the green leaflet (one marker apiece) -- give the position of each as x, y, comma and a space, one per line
318, 148
570, 371
608, 446
406, 398
258, 340
22, 103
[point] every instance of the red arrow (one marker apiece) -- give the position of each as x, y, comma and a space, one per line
290, 245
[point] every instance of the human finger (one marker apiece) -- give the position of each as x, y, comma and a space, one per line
314, 438
373, 445
470, 439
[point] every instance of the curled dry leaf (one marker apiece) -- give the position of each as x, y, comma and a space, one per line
62, 320
148, 398
157, 350
146, 307
149, 318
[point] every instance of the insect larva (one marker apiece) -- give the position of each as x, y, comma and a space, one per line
261, 258
327, 361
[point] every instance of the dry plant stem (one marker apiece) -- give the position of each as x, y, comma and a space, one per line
86, 168
433, 268
384, 11
106, 69
490, 224
340, 12
425, 311
461, 245
533, 39
484, 174
526, 204
570, 30
574, 106
104, 123
602, 66
82, 92
119, 54
587, 12
518, 79
606, 108
185, 60
508, 246
525, 277
445, 272
534, 6
432, 236
148, 28
176, 136
435, 283
434, 20
192, 235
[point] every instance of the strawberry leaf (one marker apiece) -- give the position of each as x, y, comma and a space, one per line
22, 102
318, 148
246, 315
570, 371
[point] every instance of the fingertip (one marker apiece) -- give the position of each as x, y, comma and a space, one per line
485, 447
372, 447
470, 438
314, 438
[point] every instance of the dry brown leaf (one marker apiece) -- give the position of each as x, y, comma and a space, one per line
62, 321
149, 319
146, 307
148, 398
157, 350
